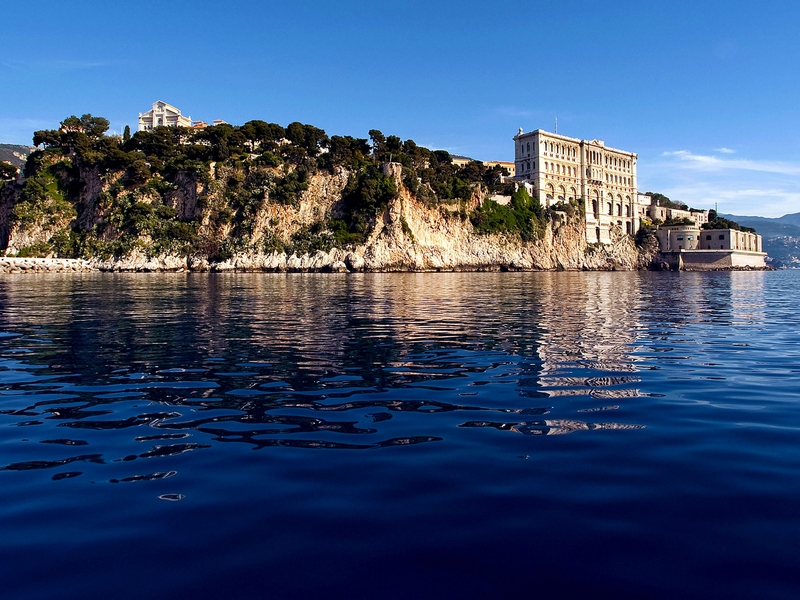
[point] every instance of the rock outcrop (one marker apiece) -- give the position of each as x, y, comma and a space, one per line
407, 234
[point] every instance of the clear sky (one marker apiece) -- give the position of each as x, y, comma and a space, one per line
706, 92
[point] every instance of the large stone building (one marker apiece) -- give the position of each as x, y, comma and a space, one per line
564, 169
162, 114
694, 248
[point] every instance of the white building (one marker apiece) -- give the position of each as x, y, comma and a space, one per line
564, 169
162, 114
649, 209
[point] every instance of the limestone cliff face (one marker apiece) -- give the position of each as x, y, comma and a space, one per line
407, 235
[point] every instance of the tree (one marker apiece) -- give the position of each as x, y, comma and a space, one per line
94, 127
48, 137
126, 135
378, 142
662, 200
7, 171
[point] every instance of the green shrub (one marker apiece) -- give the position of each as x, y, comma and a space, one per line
524, 217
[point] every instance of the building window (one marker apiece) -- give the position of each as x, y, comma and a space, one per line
722, 236
708, 237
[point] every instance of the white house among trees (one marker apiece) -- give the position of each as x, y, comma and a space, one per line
162, 114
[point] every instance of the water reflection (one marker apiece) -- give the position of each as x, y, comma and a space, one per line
340, 362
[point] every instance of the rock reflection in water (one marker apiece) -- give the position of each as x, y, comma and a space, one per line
260, 359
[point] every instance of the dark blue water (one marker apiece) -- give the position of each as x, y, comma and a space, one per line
626, 435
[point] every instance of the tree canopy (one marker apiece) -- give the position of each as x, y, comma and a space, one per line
7, 171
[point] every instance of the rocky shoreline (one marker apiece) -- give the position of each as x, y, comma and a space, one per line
44, 265
320, 262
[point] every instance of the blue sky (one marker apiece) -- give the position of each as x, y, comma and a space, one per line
707, 93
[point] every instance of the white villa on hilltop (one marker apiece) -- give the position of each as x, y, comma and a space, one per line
162, 114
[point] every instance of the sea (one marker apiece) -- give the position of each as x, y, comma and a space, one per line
417, 435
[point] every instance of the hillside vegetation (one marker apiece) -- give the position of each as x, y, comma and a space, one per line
206, 192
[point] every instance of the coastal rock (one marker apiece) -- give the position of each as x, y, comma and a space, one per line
407, 235
44, 265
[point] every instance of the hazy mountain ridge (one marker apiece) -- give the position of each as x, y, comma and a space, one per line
15, 154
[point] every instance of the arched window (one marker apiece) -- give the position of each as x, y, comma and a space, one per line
610, 209
597, 233
619, 210
628, 227
594, 208
627, 211
529, 146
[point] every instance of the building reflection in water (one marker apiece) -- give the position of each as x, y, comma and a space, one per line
315, 361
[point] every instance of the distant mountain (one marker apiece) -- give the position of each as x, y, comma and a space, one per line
787, 225
16, 155
794, 219
781, 237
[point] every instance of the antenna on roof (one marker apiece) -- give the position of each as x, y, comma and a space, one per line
556, 125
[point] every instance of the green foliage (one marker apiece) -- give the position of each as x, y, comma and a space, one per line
717, 222
524, 216
369, 190
42, 202
38, 250
309, 240
236, 170
287, 190
93, 127
678, 221
344, 151
406, 229
662, 200
272, 243
311, 139
7, 171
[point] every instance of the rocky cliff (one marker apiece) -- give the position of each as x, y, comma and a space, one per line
162, 203
407, 235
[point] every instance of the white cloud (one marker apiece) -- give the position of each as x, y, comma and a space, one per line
714, 163
739, 185
724, 150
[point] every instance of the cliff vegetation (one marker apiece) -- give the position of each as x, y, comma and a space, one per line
264, 196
